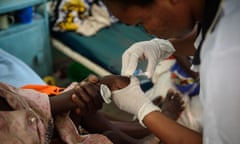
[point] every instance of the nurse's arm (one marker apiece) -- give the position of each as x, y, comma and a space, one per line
169, 131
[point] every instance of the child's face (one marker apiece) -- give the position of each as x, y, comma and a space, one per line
115, 82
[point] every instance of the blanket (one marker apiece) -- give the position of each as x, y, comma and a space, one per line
31, 120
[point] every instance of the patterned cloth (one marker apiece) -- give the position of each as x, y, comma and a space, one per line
191, 117
31, 121
85, 17
183, 81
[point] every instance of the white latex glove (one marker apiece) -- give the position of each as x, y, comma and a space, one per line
152, 51
132, 100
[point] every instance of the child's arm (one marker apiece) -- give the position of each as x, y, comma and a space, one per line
91, 100
59, 104
62, 102
88, 99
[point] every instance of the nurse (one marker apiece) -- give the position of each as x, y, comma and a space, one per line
217, 40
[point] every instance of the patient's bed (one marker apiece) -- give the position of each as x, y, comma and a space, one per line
102, 52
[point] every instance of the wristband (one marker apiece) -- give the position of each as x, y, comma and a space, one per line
105, 93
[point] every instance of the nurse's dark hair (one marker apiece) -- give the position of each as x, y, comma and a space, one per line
127, 3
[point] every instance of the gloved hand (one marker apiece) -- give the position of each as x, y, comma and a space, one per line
153, 51
132, 100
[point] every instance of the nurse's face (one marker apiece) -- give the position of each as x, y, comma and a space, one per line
163, 19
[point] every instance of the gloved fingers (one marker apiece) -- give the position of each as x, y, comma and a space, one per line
130, 98
129, 63
150, 68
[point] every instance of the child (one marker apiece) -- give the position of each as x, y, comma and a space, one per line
34, 110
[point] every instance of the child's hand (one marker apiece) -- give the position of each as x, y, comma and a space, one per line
115, 82
87, 96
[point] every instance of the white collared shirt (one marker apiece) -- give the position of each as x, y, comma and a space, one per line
220, 77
